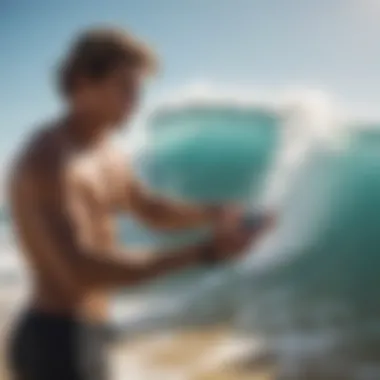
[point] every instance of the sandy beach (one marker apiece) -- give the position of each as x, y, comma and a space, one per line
207, 353
12, 295
196, 354
201, 354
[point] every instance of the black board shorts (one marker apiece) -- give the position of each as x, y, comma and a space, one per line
43, 346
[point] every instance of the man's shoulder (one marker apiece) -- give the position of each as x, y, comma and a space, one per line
43, 141
41, 155
117, 159
114, 151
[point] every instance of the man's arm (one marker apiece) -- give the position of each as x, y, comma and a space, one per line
165, 214
49, 210
135, 198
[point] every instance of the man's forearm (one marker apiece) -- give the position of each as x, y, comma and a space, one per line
100, 269
176, 220
166, 215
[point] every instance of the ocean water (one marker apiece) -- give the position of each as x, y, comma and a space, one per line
203, 154
209, 154
312, 295
309, 291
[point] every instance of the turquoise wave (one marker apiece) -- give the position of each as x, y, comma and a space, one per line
323, 278
317, 274
203, 155
209, 154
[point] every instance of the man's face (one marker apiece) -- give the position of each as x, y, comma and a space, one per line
115, 97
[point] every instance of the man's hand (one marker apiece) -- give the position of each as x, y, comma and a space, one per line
232, 238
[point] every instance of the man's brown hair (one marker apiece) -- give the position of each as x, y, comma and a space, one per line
97, 52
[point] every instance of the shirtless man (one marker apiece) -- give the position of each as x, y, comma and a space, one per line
65, 187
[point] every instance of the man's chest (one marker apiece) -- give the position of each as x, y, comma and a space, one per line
102, 180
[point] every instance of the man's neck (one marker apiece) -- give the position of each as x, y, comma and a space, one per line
83, 131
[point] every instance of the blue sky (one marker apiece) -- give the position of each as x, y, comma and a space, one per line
327, 44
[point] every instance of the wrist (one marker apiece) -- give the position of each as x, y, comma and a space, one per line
212, 212
203, 254
207, 254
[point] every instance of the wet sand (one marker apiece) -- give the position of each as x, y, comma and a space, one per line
201, 354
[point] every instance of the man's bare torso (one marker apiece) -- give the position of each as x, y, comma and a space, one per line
63, 199
99, 177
